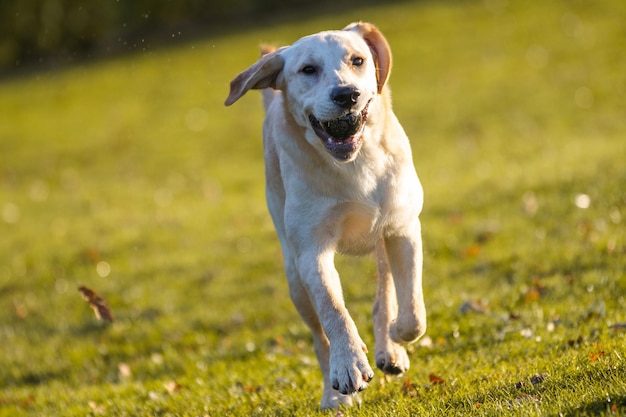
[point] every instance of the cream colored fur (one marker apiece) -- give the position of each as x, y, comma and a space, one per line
369, 201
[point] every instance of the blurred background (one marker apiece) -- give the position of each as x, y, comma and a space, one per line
48, 33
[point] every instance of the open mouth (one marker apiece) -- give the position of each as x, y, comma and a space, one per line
341, 137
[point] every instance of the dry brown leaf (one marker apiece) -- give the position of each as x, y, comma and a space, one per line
436, 379
249, 388
91, 254
472, 251
533, 294
23, 402
409, 389
99, 306
594, 356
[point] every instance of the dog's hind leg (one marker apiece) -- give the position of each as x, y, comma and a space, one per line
405, 259
390, 356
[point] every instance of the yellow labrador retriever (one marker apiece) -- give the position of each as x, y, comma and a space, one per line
340, 178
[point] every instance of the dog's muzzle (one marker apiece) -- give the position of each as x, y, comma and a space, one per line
342, 137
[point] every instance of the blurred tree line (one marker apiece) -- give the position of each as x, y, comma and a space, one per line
62, 31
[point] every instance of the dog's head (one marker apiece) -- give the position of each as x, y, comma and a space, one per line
329, 80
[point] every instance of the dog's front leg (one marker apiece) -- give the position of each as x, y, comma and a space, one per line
405, 259
300, 297
349, 370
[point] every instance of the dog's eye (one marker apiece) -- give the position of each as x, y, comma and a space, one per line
308, 70
357, 62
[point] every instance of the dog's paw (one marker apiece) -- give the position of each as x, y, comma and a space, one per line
333, 400
393, 360
350, 371
407, 328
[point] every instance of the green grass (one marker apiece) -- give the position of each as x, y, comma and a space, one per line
514, 109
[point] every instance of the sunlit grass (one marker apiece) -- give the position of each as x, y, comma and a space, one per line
517, 116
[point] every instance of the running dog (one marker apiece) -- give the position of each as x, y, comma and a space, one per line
340, 178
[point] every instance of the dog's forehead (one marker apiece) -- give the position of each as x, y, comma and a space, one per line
333, 45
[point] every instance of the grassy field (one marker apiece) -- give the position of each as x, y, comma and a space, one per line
131, 178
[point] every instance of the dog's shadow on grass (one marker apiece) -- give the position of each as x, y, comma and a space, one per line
90, 327
125, 319
611, 407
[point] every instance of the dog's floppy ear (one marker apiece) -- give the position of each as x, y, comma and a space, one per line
378, 46
263, 74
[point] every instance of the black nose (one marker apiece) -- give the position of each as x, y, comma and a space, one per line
345, 97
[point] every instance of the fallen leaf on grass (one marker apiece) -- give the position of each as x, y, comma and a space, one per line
91, 254
436, 380
597, 354
409, 389
99, 306
471, 251
17, 402
250, 388
535, 292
